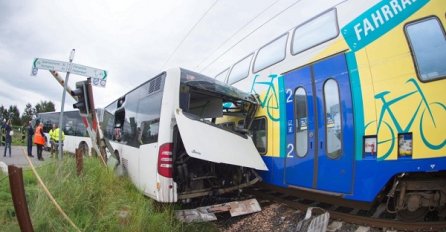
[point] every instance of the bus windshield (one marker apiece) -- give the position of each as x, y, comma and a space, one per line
200, 82
208, 98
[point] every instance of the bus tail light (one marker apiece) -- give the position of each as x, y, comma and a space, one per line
165, 163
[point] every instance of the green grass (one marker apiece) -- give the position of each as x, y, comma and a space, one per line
93, 201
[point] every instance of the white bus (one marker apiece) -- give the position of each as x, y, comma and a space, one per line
76, 135
165, 136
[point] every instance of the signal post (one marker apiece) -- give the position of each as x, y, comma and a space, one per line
83, 92
62, 106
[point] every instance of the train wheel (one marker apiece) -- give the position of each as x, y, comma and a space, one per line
417, 215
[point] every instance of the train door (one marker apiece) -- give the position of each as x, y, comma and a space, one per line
320, 126
300, 134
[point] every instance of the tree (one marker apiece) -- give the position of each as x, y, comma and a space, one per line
14, 115
3, 112
28, 113
45, 106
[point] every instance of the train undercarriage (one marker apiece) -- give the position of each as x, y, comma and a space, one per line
418, 196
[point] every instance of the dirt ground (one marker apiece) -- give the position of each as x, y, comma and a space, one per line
281, 218
273, 217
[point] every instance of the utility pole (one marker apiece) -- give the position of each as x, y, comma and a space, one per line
63, 104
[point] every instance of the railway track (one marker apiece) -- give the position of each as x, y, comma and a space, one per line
342, 210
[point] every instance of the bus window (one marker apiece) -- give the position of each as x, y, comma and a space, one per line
149, 111
222, 76
107, 122
333, 135
205, 106
240, 70
259, 135
271, 53
129, 125
314, 32
428, 44
74, 125
119, 119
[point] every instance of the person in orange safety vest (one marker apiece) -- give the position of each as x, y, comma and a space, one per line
39, 140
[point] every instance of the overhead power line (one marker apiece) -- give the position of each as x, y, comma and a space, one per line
188, 33
235, 33
249, 34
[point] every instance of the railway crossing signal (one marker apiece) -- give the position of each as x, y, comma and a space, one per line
83, 92
83, 99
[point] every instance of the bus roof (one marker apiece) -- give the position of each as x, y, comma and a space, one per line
200, 81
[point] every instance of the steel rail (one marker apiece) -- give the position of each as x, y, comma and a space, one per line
280, 197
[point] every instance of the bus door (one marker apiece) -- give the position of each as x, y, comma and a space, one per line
327, 155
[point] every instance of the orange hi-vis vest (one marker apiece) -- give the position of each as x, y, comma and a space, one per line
38, 136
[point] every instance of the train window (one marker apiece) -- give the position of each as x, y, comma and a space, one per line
333, 127
271, 53
427, 41
240, 124
314, 32
222, 76
300, 99
228, 125
240, 70
259, 135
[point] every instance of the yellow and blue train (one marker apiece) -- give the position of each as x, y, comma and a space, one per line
353, 101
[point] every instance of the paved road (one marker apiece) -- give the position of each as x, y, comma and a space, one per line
18, 156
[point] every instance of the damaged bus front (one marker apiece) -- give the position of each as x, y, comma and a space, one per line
165, 134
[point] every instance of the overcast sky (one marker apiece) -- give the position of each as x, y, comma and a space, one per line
133, 40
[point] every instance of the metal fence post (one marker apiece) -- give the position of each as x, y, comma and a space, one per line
79, 161
19, 198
